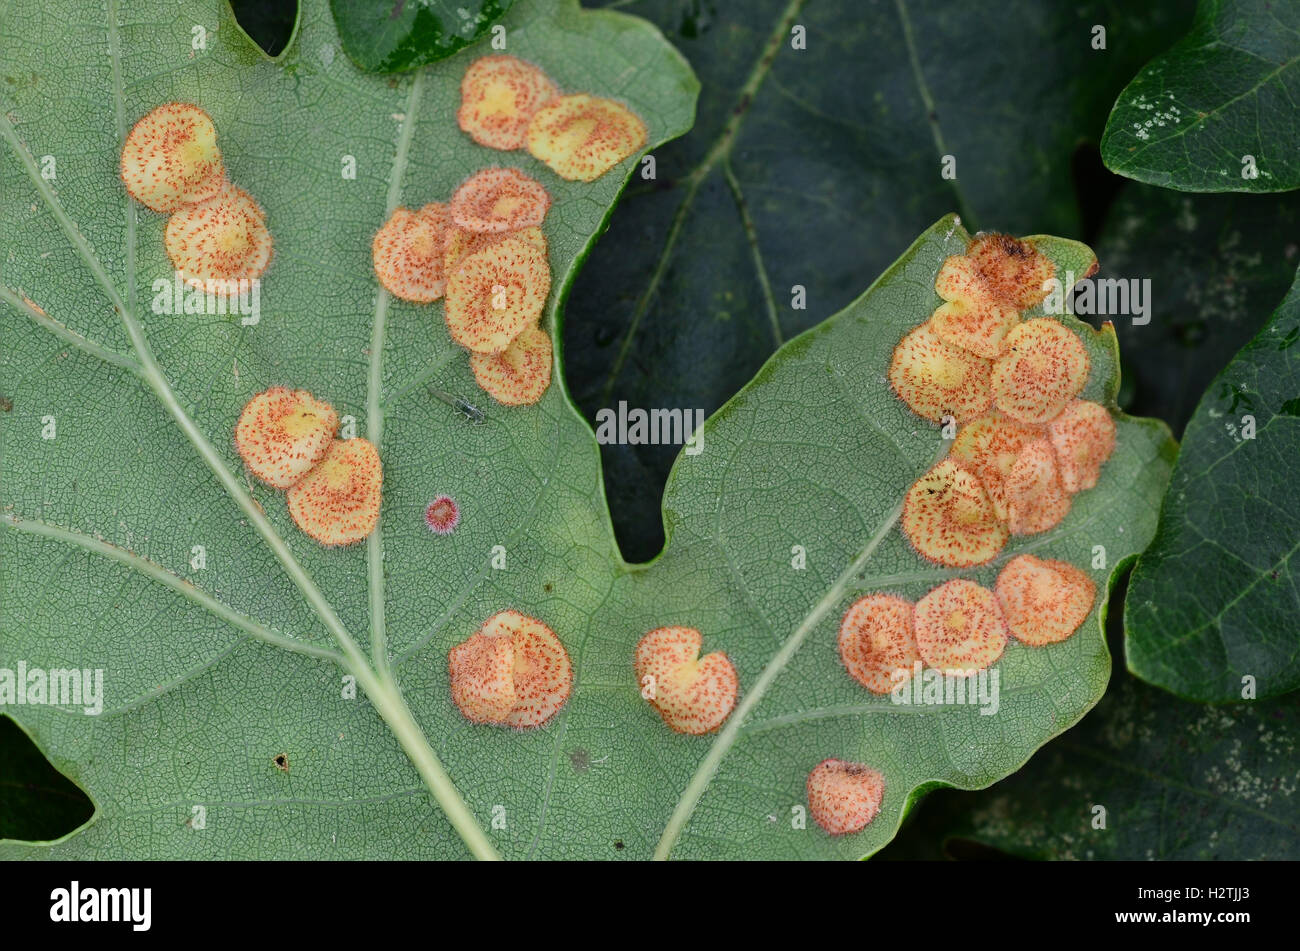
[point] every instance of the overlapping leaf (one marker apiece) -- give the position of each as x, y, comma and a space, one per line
1212, 606
1216, 113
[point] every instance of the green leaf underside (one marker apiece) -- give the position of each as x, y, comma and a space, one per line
388, 36
815, 452
1227, 90
1215, 597
1220, 786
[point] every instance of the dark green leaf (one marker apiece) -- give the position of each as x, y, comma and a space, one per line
1177, 780
1214, 600
812, 167
388, 36
1217, 112
1218, 265
37, 802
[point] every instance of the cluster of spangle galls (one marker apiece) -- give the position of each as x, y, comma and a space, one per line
334, 486
216, 236
1026, 444
484, 252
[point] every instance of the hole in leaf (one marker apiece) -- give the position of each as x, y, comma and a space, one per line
281, 762
268, 23
37, 802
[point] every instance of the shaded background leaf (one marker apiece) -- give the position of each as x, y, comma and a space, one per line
1225, 91
388, 36
1178, 780
1215, 599
1218, 265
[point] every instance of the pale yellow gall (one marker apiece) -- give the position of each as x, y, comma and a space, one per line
408, 253
170, 158
1043, 367
948, 518
1012, 270
971, 319
219, 242
1084, 438
1044, 602
876, 641
460, 244
692, 694
513, 671
582, 137
337, 502
498, 200
960, 628
936, 380
844, 797
495, 293
1036, 500
988, 446
282, 433
498, 96
520, 374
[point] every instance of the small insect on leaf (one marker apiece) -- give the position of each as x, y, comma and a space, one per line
217, 243
282, 433
692, 694
499, 200
1044, 602
408, 253
582, 137
170, 158
337, 502
521, 373
498, 97
844, 797
960, 628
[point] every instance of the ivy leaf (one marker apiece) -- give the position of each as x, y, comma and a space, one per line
388, 36
1214, 600
1216, 112
230, 727
1220, 787
809, 168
